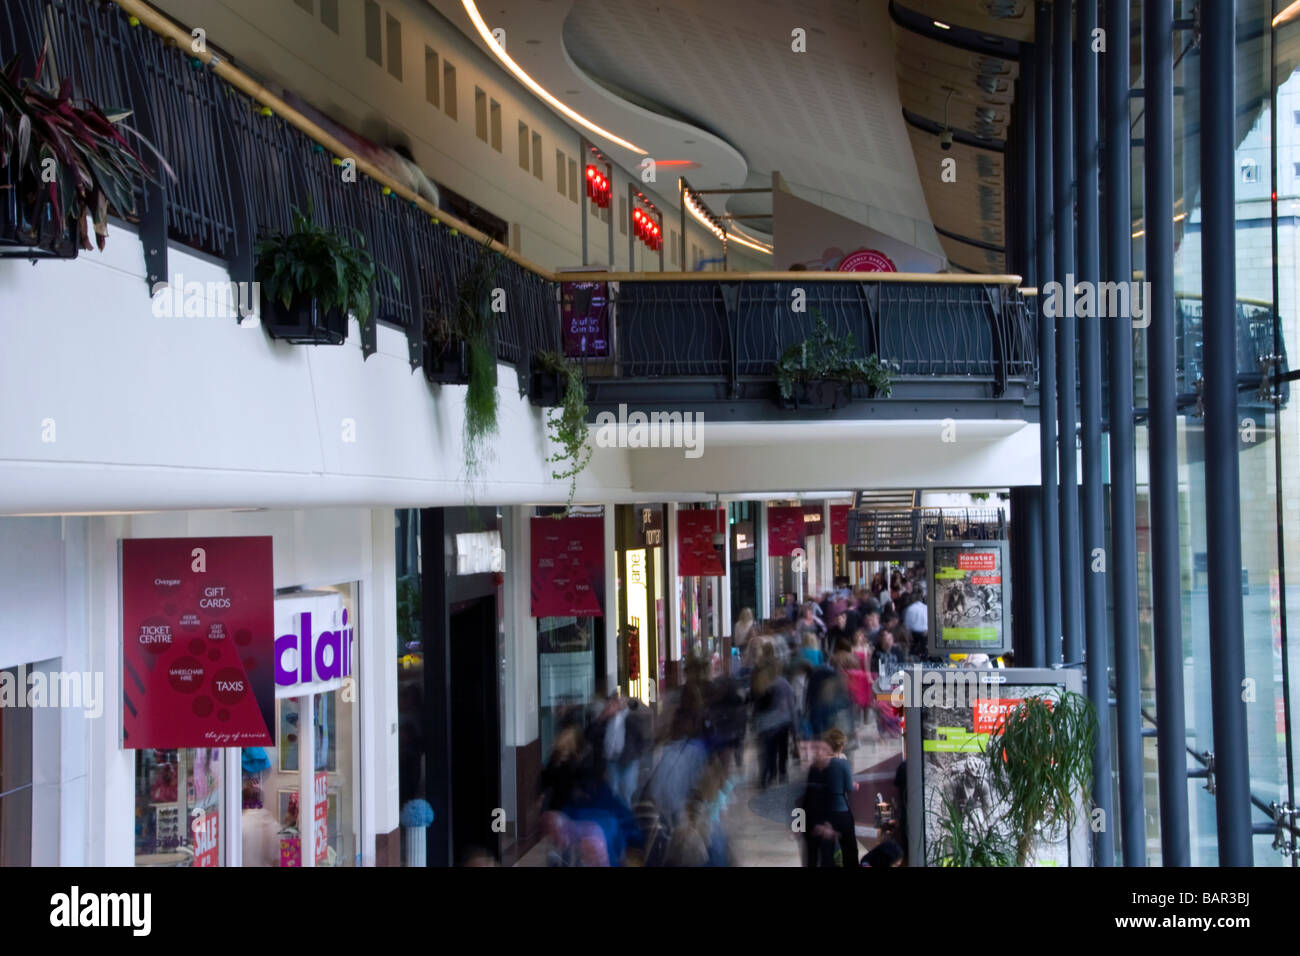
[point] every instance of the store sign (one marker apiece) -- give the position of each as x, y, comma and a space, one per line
204, 833
584, 316
197, 642
696, 554
313, 654
785, 531
568, 566
867, 260
840, 524
813, 523
638, 602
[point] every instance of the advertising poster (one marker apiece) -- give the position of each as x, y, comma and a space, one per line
953, 730
840, 524
320, 817
204, 833
568, 566
968, 597
198, 636
696, 555
785, 531
584, 313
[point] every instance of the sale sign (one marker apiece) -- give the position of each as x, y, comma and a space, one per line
203, 833
696, 555
568, 566
197, 638
320, 816
785, 531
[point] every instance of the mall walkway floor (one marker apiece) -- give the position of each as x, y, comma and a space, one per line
758, 821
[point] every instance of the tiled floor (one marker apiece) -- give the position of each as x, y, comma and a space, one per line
759, 823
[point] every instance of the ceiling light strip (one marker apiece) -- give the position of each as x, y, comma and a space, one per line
499, 52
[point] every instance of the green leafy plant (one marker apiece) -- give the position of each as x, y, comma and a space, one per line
320, 263
826, 356
1041, 761
963, 841
68, 153
474, 322
567, 423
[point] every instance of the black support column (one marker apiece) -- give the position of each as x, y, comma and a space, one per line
1222, 481
1094, 524
1044, 204
1122, 558
1166, 583
1066, 377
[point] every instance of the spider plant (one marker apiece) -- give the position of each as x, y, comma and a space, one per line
1041, 762
475, 320
66, 152
964, 842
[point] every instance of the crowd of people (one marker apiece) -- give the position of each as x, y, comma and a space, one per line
623, 786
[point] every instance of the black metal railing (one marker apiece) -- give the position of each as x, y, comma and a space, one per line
240, 173
735, 329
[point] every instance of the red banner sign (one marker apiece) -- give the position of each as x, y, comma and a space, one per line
840, 524
696, 555
568, 558
198, 630
785, 531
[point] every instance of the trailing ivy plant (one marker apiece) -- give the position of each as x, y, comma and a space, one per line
826, 356
1041, 761
567, 423
475, 322
320, 263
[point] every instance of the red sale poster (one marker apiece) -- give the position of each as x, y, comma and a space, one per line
204, 831
840, 524
568, 566
785, 531
696, 555
197, 637
320, 816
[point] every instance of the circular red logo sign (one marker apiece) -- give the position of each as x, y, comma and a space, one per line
867, 260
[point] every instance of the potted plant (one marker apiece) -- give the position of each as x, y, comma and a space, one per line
820, 372
445, 356
567, 422
964, 840
1041, 761
311, 279
474, 324
60, 157
548, 378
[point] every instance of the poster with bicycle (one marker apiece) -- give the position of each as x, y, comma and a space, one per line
970, 597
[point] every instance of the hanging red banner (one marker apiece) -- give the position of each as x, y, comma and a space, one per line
840, 524
198, 635
785, 531
568, 566
696, 555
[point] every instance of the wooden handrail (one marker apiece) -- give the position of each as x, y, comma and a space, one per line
164, 27
931, 278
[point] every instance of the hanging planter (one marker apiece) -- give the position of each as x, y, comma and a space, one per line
311, 279
823, 395
548, 379
820, 372
445, 363
61, 158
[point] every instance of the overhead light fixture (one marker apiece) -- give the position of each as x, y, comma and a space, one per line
499, 52
1286, 16
943, 26
745, 240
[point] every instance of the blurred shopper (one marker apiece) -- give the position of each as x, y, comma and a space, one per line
884, 855
814, 802
774, 717
839, 790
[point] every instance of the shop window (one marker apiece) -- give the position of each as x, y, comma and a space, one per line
449, 89
179, 808
431, 76
480, 115
374, 42
15, 780
496, 125
394, 47
524, 146
559, 171
537, 156
329, 14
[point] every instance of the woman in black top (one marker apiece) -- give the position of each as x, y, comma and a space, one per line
839, 786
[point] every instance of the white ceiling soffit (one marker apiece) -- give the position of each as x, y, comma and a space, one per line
534, 40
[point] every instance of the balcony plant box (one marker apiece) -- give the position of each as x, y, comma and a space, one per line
820, 372
304, 322
312, 278
548, 379
825, 394
61, 157
446, 363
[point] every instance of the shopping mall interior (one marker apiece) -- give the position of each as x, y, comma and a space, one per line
601, 433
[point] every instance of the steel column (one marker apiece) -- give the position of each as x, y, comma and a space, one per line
1097, 653
1066, 375
1222, 481
1043, 207
1166, 583
1122, 558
